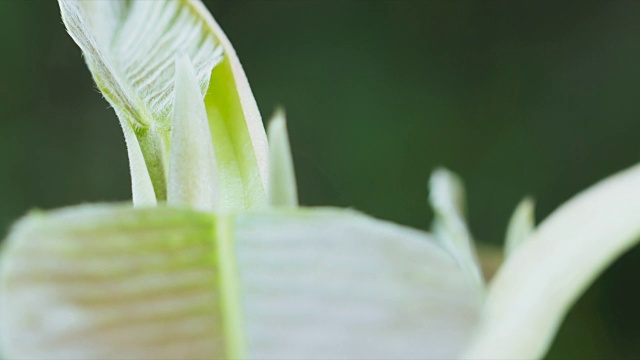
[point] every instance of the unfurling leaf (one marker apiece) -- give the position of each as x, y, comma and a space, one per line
131, 48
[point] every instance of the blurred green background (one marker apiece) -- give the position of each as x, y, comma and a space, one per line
537, 98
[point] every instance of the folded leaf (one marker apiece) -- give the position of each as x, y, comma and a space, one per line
334, 284
449, 226
236, 127
538, 283
130, 48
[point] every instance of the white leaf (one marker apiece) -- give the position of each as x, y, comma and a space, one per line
534, 289
141, 184
130, 47
193, 179
282, 178
521, 225
111, 282
447, 199
334, 284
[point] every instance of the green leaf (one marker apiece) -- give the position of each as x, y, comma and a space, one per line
282, 178
449, 226
521, 225
238, 135
130, 48
538, 283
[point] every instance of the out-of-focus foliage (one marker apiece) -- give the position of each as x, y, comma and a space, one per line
519, 98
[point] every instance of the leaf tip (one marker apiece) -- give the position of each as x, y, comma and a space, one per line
193, 174
521, 225
282, 181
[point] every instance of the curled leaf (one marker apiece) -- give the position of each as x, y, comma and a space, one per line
236, 128
534, 289
130, 48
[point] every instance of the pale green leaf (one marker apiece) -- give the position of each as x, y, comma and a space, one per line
335, 284
130, 48
141, 184
111, 282
449, 226
537, 285
282, 178
98, 282
521, 225
238, 135
193, 179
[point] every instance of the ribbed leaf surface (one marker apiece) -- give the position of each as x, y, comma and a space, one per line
335, 284
104, 282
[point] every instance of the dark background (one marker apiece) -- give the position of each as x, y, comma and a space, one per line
519, 98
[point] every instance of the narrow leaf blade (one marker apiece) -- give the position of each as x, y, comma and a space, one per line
193, 178
449, 226
283, 191
521, 225
142, 190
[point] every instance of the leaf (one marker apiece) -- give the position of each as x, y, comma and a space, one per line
111, 282
282, 178
141, 184
130, 48
334, 284
449, 226
236, 127
96, 282
193, 179
537, 285
521, 225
